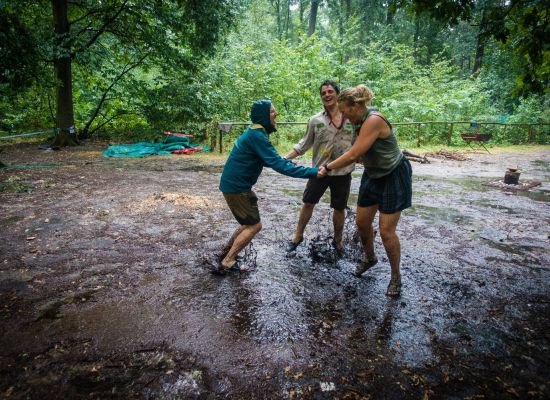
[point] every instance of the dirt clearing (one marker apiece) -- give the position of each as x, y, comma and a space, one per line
105, 292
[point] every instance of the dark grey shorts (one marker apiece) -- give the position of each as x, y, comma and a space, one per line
392, 192
339, 190
244, 207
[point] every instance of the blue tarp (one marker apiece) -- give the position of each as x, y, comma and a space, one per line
144, 149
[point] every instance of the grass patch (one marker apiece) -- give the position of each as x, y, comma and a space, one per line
14, 184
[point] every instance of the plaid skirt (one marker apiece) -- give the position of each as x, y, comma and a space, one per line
392, 193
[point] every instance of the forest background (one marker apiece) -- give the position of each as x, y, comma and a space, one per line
126, 70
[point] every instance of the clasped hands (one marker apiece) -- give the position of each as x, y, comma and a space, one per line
322, 172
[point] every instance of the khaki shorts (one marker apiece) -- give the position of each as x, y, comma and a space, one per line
244, 207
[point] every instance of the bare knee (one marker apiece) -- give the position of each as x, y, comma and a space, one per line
257, 227
308, 206
387, 235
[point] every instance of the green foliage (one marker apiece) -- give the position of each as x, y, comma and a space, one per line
530, 110
17, 54
14, 184
140, 67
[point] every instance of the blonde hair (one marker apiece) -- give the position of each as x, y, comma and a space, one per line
359, 94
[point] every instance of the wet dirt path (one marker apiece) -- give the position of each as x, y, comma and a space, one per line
105, 293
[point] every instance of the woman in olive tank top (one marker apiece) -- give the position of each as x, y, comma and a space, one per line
386, 184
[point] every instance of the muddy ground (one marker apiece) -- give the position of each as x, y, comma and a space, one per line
105, 292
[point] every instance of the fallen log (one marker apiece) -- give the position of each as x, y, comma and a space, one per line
409, 155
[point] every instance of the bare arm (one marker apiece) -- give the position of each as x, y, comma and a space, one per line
292, 154
373, 128
305, 143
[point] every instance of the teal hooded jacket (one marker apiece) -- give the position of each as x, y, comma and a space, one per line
253, 151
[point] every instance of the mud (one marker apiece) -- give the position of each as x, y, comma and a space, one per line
105, 291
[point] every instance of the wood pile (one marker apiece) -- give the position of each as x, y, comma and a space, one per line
415, 157
449, 155
525, 185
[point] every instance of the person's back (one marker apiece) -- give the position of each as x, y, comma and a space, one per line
384, 155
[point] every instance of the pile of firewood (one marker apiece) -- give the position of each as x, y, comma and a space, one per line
450, 155
415, 157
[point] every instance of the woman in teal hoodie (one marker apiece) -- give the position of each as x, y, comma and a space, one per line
251, 153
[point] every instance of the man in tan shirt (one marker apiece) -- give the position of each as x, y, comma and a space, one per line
328, 135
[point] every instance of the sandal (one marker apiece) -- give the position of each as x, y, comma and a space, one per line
291, 246
239, 266
394, 288
365, 265
217, 268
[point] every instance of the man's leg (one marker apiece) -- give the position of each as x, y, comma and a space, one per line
230, 242
305, 215
339, 194
338, 220
364, 219
243, 238
388, 226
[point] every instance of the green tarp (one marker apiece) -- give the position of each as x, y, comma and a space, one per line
143, 149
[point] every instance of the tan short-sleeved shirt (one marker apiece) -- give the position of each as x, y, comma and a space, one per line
327, 142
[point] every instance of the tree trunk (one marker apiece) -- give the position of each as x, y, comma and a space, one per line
66, 132
288, 20
313, 17
347, 9
481, 40
277, 5
390, 14
416, 37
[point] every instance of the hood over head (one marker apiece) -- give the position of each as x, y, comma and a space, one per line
259, 114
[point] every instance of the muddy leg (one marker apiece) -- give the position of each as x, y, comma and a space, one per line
305, 215
364, 219
243, 238
229, 244
388, 225
338, 220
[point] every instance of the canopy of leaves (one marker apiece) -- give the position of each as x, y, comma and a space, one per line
185, 64
18, 54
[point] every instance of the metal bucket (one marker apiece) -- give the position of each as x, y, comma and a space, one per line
511, 177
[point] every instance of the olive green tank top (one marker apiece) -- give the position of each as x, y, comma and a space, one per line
384, 155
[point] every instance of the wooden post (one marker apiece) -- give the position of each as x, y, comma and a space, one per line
419, 135
450, 136
221, 145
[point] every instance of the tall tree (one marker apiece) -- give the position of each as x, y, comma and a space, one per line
481, 38
314, 9
522, 24
18, 53
64, 117
167, 34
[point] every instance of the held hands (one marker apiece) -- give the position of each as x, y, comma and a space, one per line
322, 172
291, 160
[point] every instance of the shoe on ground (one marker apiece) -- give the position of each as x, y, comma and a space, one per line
340, 251
292, 246
394, 288
238, 265
365, 265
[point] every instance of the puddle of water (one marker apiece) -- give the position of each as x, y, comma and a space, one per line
518, 249
536, 195
440, 215
495, 206
542, 165
11, 220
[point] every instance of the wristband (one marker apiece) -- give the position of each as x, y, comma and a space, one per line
327, 168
